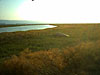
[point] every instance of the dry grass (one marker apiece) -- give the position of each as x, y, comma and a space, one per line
81, 59
45, 54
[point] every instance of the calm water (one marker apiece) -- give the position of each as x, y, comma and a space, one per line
25, 28
5, 22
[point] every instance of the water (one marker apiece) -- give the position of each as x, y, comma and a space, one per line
25, 28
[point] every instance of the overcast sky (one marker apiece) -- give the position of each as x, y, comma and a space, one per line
53, 11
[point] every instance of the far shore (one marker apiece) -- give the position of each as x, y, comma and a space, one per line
13, 25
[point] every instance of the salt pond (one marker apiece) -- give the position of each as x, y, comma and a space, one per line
25, 28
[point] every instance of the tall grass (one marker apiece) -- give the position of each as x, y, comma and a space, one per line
15, 42
82, 59
43, 53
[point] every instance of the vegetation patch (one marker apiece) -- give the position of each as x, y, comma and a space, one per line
81, 59
41, 52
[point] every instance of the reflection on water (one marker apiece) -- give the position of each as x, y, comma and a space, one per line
25, 28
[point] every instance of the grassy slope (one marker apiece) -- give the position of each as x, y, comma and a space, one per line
83, 45
14, 42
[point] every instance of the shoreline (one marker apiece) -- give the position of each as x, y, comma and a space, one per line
13, 25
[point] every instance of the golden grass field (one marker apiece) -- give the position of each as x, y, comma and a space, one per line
42, 52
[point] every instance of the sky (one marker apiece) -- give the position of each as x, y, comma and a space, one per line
51, 11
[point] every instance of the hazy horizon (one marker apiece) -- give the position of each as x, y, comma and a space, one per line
51, 11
